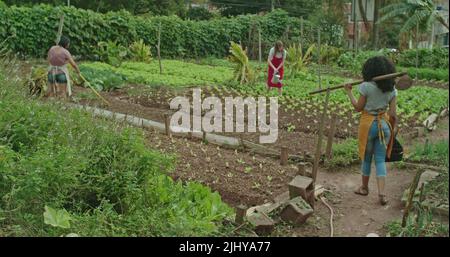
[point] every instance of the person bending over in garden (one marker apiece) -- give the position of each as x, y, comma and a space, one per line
58, 74
377, 102
277, 56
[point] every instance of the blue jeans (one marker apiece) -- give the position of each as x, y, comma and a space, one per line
376, 148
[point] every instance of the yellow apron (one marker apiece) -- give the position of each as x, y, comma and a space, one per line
363, 133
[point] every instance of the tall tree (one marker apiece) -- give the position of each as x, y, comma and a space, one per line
293, 7
422, 12
158, 7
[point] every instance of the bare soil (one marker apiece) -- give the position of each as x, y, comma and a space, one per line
245, 178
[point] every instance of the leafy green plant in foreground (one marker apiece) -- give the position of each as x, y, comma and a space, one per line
104, 177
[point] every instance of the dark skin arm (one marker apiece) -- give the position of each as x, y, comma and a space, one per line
74, 65
357, 104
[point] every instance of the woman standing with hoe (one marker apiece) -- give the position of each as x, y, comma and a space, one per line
58, 74
277, 56
378, 103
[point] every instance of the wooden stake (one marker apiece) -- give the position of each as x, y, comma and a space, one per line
259, 45
319, 140
318, 59
409, 203
301, 30
159, 48
167, 124
60, 29
329, 151
302, 169
240, 214
284, 156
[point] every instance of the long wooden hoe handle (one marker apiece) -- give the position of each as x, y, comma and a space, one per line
387, 76
95, 91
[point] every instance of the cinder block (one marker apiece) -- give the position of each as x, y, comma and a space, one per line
300, 186
297, 211
262, 224
284, 197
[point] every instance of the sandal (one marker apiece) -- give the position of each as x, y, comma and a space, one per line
383, 200
362, 191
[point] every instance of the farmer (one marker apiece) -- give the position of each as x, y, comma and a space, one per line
277, 56
58, 74
377, 102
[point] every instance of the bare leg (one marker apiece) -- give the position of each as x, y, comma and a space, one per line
51, 90
280, 91
381, 182
364, 188
62, 91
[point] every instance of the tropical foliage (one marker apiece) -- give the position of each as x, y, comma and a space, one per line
140, 52
243, 72
415, 12
296, 59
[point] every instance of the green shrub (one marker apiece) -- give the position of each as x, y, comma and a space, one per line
102, 78
427, 58
427, 73
199, 14
140, 52
436, 153
35, 31
424, 227
104, 177
353, 63
111, 52
344, 153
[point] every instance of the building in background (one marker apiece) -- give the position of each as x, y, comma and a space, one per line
439, 31
361, 29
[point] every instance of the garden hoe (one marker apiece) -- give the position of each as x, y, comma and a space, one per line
403, 83
93, 89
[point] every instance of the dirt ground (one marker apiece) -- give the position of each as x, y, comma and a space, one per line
245, 178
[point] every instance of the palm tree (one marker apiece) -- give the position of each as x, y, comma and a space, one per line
422, 12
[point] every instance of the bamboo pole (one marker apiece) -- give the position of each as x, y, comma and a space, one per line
159, 48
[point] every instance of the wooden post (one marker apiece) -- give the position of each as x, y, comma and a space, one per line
409, 203
329, 151
240, 214
60, 29
302, 169
301, 30
284, 156
318, 58
319, 140
159, 48
259, 45
167, 124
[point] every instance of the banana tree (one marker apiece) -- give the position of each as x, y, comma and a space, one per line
422, 12
296, 60
243, 71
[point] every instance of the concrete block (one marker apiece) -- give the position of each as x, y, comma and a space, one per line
300, 186
297, 211
262, 224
